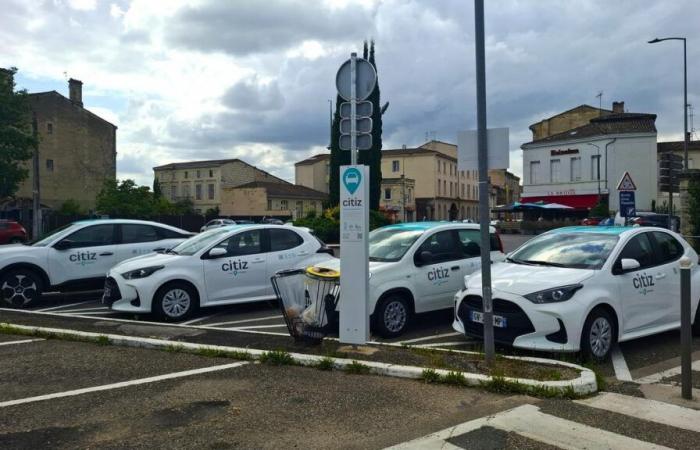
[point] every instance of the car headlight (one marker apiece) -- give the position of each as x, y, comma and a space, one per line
555, 295
141, 273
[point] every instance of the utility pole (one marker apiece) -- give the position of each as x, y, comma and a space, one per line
36, 193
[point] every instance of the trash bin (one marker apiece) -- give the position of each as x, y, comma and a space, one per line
308, 299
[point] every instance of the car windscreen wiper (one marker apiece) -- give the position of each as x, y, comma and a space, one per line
517, 261
171, 252
543, 263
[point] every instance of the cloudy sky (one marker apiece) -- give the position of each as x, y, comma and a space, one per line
252, 78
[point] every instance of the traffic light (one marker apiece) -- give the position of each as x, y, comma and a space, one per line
670, 166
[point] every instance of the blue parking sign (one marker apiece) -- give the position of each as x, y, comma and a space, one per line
627, 204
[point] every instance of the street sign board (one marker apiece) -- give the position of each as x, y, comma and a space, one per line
626, 183
362, 109
366, 79
498, 149
354, 229
363, 125
627, 204
363, 141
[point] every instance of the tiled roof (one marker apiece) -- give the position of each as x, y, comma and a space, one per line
314, 159
621, 123
415, 151
676, 146
196, 164
285, 190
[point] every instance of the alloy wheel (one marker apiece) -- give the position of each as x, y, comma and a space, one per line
600, 337
395, 316
19, 290
176, 303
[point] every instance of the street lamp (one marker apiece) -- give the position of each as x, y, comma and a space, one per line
685, 96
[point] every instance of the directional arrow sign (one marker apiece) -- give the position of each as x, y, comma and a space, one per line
364, 125
363, 141
363, 109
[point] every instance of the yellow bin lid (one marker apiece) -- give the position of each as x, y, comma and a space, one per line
322, 272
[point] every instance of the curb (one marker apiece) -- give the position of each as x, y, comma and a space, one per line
585, 384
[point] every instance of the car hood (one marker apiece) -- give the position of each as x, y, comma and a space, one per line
151, 259
520, 279
19, 249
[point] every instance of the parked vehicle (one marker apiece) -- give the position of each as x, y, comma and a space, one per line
649, 219
417, 267
77, 257
591, 221
216, 223
12, 232
223, 266
583, 289
272, 221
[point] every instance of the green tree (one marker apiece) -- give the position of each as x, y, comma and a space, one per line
212, 213
157, 192
125, 200
17, 141
70, 208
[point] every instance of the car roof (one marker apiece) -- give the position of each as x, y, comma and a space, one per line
423, 226
614, 230
125, 221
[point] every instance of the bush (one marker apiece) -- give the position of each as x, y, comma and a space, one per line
327, 225
600, 210
70, 208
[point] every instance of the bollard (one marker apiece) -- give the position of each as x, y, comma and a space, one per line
686, 337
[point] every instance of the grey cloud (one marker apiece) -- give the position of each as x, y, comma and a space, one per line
250, 94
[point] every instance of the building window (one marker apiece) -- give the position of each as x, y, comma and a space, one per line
444, 187
49, 165
387, 194
173, 192
186, 191
284, 205
198, 191
410, 194
444, 167
554, 170
595, 167
211, 173
211, 189
576, 169
186, 174
49, 128
300, 208
269, 204
395, 166
451, 194
438, 166
462, 190
439, 186
199, 174
534, 172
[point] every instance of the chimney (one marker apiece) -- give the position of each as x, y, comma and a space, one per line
618, 107
75, 91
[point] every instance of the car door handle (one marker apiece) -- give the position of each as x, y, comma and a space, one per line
106, 254
454, 268
660, 276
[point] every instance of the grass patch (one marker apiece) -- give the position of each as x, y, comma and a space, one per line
454, 378
599, 378
500, 385
325, 364
431, 376
277, 358
221, 353
357, 368
102, 340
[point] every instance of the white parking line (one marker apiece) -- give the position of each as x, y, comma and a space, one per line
257, 319
427, 338
90, 313
656, 377
23, 341
199, 319
622, 372
61, 306
254, 327
122, 384
81, 310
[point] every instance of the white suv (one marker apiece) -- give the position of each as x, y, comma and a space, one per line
418, 267
77, 257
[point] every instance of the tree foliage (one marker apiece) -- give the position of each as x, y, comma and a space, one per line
125, 199
70, 208
17, 141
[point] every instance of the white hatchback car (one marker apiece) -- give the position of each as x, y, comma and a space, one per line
77, 256
223, 266
583, 289
417, 267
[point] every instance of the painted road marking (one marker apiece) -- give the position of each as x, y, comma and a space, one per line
23, 341
622, 372
61, 306
252, 327
427, 338
529, 422
257, 319
199, 319
656, 377
645, 409
82, 310
122, 384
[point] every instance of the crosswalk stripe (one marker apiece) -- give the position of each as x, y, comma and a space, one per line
645, 409
528, 421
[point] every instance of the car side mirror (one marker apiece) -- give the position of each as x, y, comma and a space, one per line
425, 257
65, 244
629, 264
217, 252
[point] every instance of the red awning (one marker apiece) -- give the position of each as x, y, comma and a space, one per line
585, 201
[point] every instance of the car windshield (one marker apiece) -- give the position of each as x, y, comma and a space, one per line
571, 250
390, 244
45, 239
197, 243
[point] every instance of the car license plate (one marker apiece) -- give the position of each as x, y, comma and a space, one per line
498, 321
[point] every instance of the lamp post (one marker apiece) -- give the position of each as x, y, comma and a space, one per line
685, 96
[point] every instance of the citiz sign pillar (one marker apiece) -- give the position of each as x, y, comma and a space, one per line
354, 254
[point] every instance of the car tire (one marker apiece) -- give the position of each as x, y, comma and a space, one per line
20, 288
392, 316
175, 302
598, 336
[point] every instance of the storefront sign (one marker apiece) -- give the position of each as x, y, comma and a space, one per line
568, 151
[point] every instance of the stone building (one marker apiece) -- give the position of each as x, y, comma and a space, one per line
570, 119
314, 172
202, 182
397, 198
77, 149
264, 198
505, 186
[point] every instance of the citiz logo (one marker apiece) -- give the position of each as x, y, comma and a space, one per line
234, 266
643, 282
352, 202
438, 274
83, 258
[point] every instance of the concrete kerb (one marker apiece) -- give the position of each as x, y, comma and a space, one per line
585, 384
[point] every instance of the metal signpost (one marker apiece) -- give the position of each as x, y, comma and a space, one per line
686, 331
355, 81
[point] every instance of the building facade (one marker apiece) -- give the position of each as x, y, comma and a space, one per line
77, 150
314, 172
580, 166
203, 181
269, 199
398, 199
505, 186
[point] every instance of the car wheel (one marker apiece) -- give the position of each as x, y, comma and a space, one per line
392, 316
598, 336
21, 288
175, 301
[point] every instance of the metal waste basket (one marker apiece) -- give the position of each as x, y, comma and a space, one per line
308, 299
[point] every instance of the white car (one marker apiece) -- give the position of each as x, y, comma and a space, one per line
77, 257
223, 266
417, 267
216, 223
583, 289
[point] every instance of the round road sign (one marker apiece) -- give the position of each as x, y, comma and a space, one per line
366, 79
